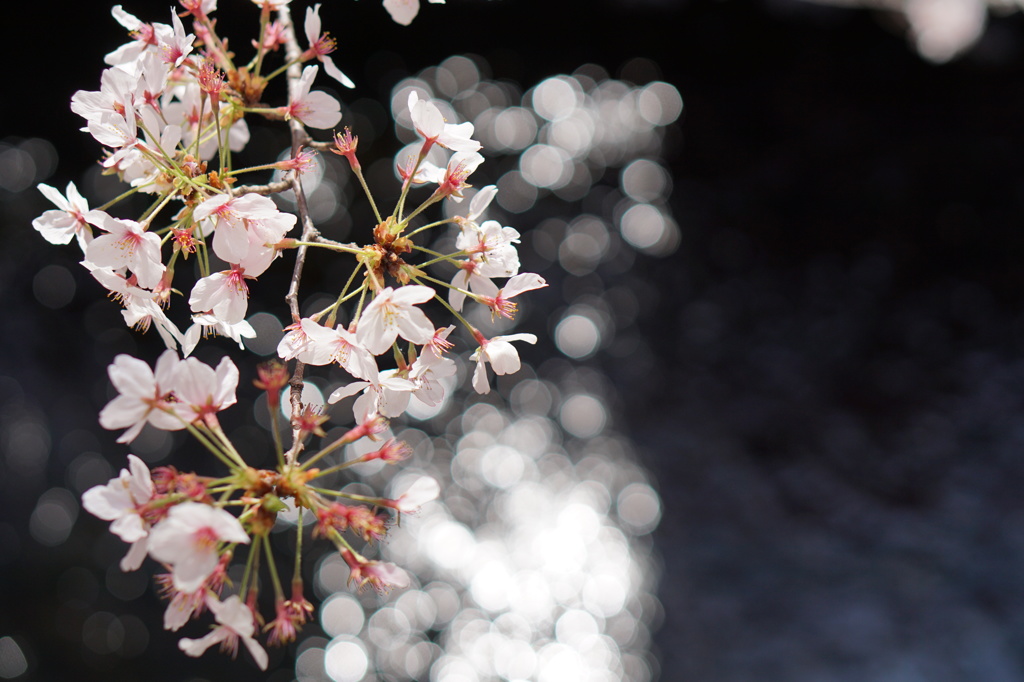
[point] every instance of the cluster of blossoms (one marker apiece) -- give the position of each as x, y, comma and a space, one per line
170, 112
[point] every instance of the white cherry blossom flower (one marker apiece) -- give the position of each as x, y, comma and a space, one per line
391, 314
187, 541
143, 396
67, 221
224, 295
141, 309
426, 373
126, 245
145, 38
339, 346
206, 325
229, 217
430, 124
415, 494
502, 355
499, 300
175, 45
202, 391
313, 109
321, 45
117, 93
404, 11
121, 501
234, 622
384, 394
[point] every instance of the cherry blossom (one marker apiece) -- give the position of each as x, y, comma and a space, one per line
143, 396
381, 576
145, 37
67, 221
201, 391
122, 501
234, 622
404, 11
428, 370
187, 541
224, 295
175, 45
338, 346
229, 217
460, 167
313, 109
502, 355
391, 314
385, 394
207, 325
141, 309
499, 300
126, 245
430, 124
321, 45
415, 494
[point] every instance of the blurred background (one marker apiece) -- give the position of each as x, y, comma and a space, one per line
773, 426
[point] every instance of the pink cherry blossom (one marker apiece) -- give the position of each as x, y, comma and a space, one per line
460, 167
234, 622
187, 541
428, 370
391, 314
381, 576
176, 45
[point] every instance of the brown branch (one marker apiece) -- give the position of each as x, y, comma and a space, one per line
309, 232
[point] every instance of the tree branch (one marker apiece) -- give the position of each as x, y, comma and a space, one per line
309, 232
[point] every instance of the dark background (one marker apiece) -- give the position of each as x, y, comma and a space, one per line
832, 403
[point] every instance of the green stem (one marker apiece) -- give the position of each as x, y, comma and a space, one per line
429, 225
278, 71
119, 197
445, 303
341, 299
339, 467
375, 501
366, 190
324, 452
251, 565
278, 592
276, 428
297, 571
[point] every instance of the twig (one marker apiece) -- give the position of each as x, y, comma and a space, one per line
309, 232
269, 188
